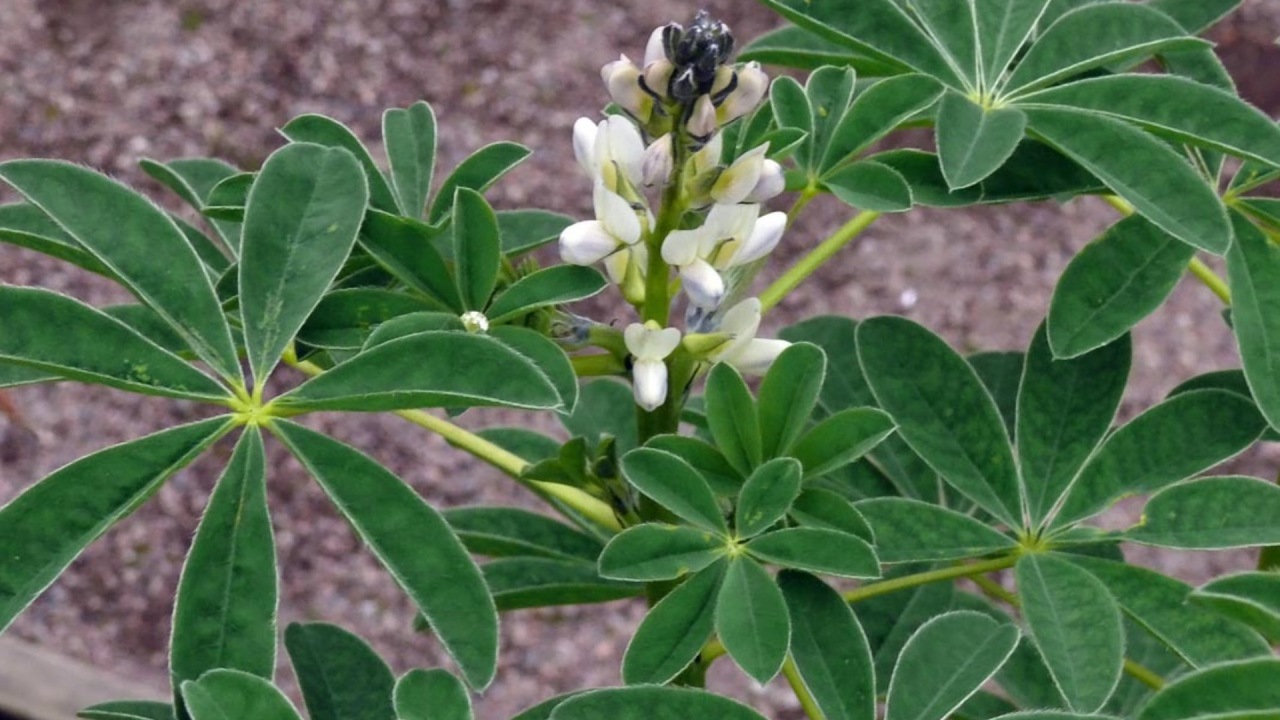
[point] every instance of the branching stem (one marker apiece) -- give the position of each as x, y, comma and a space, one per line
809, 264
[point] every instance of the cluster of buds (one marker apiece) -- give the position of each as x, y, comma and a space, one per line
668, 139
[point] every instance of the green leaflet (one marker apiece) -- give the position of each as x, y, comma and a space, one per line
406, 249
1212, 514
128, 710
193, 180
341, 677
480, 170
791, 46
477, 249
1248, 690
876, 112
869, 185
829, 648
829, 91
48, 333
547, 357
48, 525
1003, 27
327, 132
674, 484
945, 662
300, 223
605, 408
525, 582
655, 551
1076, 625
431, 695
766, 496
1252, 598
821, 508
650, 703
224, 694
413, 542
705, 458
952, 26
841, 439
1001, 375
674, 630
345, 319
138, 243
751, 619
1253, 267
1115, 281
973, 141
732, 417
820, 550
788, 395
943, 412
910, 530
410, 139
25, 225
550, 286
524, 230
512, 532
225, 611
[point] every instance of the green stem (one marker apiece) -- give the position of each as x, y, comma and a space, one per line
808, 264
792, 674
1196, 267
884, 587
806, 196
1143, 674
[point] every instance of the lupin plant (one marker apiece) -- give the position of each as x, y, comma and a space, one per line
955, 496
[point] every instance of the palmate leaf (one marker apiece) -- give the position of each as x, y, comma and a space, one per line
431, 695
875, 112
1212, 514
225, 611
138, 243
340, 676
327, 132
48, 525
300, 223
953, 28
413, 541
945, 662
222, 694
829, 648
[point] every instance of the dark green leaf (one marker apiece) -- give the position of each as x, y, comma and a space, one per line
924, 176
225, 694
25, 225
431, 695
327, 132
943, 412
704, 458
477, 250
795, 47
818, 508
524, 230
341, 677
656, 551
791, 109
1195, 15
193, 179
945, 662
674, 631
1076, 625
429, 369
1172, 441
890, 620
526, 582
412, 324
651, 703
1212, 514
1115, 281
953, 29
509, 531
1252, 598
1001, 375
752, 620
876, 112
829, 648
413, 541
300, 224
1253, 267
48, 525
410, 138
1026, 679
1004, 26
550, 286
731, 414
766, 496
788, 395
480, 170
225, 612
840, 439
973, 141
128, 710
1065, 407
547, 356
1248, 690
406, 249
1039, 172
346, 318
869, 185
829, 90
830, 552
605, 408
138, 243
674, 484
910, 530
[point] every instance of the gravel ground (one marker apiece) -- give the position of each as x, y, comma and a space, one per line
106, 83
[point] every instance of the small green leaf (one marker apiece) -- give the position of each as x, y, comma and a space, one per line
752, 619
341, 677
829, 648
841, 439
406, 249
869, 185
1252, 598
655, 551
829, 91
193, 180
876, 112
429, 369
525, 230
413, 541
509, 531
674, 484
651, 703
1248, 690
923, 174
410, 138
1065, 407
300, 224
788, 395
795, 47
1076, 625
431, 695
1253, 268
138, 243
973, 141
1211, 514
1172, 441
945, 662
47, 526
346, 318
412, 324
225, 694
766, 496
910, 530
225, 612
705, 458
1115, 281
546, 356
731, 414
1001, 375
1004, 26
480, 170
327, 132
39, 325
830, 552
529, 582
555, 285
1141, 169
890, 620
791, 108
943, 412
819, 508
674, 631
477, 250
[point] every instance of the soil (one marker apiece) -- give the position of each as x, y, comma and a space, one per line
108, 83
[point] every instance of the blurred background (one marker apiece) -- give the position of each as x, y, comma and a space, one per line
107, 82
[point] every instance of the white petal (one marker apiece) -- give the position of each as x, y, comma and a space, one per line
728, 227
764, 238
586, 242
622, 78
658, 161
740, 178
755, 357
702, 283
616, 215
626, 147
741, 321
657, 75
616, 266
752, 84
709, 156
772, 183
655, 50
649, 383
584, 140
648, 342
702, 121
681, 246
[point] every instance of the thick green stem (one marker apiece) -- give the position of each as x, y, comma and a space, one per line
792, 674
808, 264
884, 587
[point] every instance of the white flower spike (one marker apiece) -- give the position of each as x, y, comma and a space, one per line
649, 345
744, 351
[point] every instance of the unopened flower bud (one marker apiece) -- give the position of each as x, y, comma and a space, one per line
622, 78
655, 50
700, 345
584, 140
771, 184
657, 76
750, 90
474, 321
702, 121
658, 161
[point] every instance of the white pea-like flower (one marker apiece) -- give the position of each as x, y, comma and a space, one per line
731, 235
744, 351
616, 226
751, 88
649, 345
659, 161
611, 150
751, 178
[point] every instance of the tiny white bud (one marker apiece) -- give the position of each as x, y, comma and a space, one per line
659, 161
702, 121
474, 321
